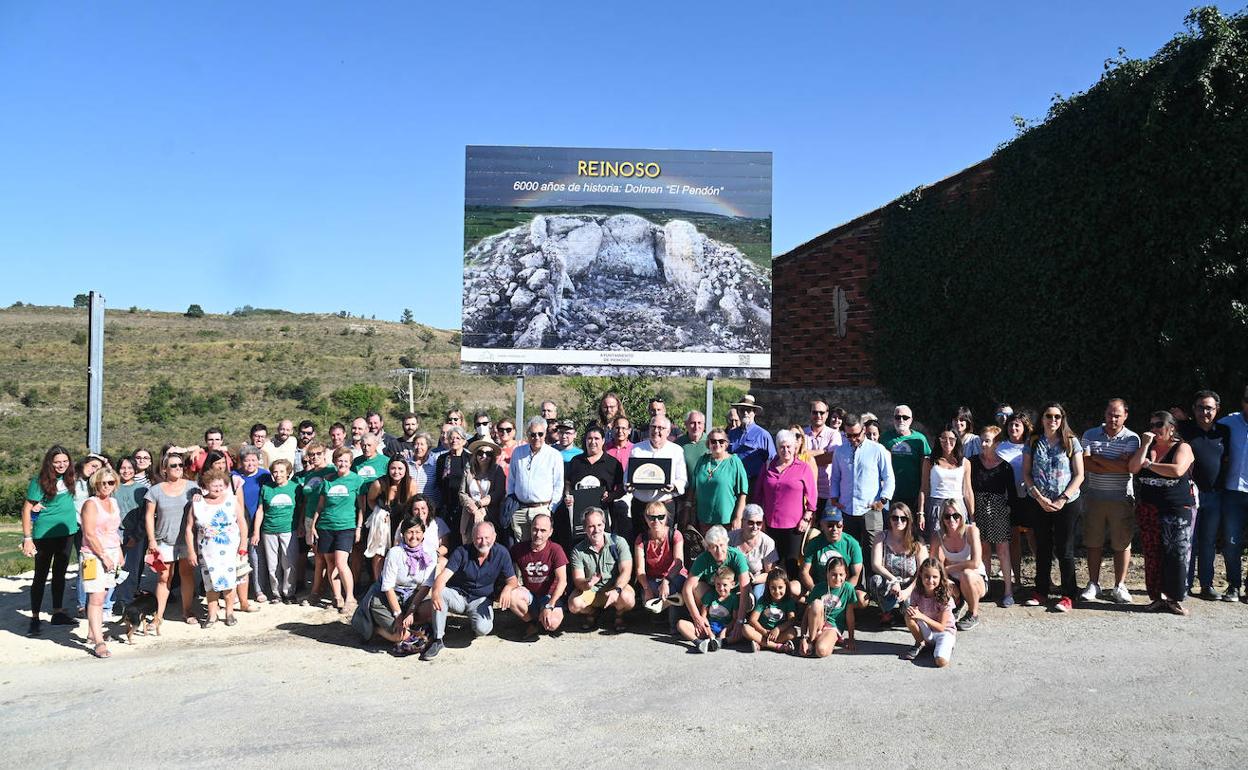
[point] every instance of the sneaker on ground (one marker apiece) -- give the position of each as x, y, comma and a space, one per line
63, 619
35, 628
1093, 591
1007, 600
1035, 600
714, 645
967, 622
1121, 595
1063, 604
432, 650
1209, 594
1231, 595
704, 645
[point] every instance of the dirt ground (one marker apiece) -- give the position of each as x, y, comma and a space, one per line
288, 685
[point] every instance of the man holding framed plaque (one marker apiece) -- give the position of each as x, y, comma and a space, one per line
655, 473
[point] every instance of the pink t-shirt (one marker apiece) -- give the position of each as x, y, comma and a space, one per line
786, 495
621, 453
659, 556
107, 525
932, 608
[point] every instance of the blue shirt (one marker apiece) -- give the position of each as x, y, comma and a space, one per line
861, 476
476, 579
1237, 455
251, 489
571, 452
754, 446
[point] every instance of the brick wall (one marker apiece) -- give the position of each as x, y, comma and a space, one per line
806, 351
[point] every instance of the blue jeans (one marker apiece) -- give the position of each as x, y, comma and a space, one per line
134, 565
1230, 510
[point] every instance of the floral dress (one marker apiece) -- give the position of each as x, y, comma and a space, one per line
218, 542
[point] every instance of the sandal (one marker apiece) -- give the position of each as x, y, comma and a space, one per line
1174, 608
101, 651
230, 620
347, 609
191, 620
252, 608
208, 623
787, 648
619, 626
913, 652
590, 621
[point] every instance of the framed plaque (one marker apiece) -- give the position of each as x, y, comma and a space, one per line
649, 472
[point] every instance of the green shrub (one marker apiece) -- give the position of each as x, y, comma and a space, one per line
79, 338
355, 400
12, 495
194, 311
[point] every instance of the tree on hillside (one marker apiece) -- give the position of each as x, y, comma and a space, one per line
194, 311
407, 317
81, 300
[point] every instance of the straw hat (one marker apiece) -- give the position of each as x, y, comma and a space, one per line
747, 402
484, 442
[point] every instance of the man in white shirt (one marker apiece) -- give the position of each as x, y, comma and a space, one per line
534, 479
656, 446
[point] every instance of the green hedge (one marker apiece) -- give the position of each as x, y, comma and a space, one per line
1108, 254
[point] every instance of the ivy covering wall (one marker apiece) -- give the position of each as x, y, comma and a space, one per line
1107, 254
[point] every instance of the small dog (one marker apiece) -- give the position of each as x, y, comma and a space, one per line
140, 613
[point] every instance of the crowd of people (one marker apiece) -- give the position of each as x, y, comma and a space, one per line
730, 535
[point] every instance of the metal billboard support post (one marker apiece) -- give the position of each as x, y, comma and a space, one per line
710, 401
520, 401
95, 370
411, 395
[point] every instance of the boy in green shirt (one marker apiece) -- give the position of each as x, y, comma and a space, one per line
718, 615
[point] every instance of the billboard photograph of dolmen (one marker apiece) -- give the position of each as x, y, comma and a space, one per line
595, 261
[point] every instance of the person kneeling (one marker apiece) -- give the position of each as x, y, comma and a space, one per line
772, 624
930, 614
714, 623
542, 568
466, 586
406, 580
601, 568
830, 612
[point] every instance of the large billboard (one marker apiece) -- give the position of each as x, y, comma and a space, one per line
609, 261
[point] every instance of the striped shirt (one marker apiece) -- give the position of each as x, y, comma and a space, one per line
1097, 443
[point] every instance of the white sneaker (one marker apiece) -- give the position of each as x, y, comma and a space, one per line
1091, 592
1120, 595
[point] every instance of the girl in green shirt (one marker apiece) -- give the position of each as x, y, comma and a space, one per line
49, 522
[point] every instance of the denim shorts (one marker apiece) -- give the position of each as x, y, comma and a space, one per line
330, 540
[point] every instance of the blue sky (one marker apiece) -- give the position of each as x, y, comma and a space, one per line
309, 155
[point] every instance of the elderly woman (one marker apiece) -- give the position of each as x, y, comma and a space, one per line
787, 493
274, 529
720, 485
450, 469
1164, 509
758, 547
424, 467
483, 488
167, 503
718, 555
406, 577
100, 556
217, 528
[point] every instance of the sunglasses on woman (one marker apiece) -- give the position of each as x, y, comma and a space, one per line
900, 519
952, 516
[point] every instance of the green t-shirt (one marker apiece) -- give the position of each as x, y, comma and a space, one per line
309, 486
339, 493
717, 484
908, 453
58, 518
834, 602
704, 567
819, 550
615, 551
719, 610
279, 507
772, 613
370, 470
693, 452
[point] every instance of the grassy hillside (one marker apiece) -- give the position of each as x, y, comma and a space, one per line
231, 371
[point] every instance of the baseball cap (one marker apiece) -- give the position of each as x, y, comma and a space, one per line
832, 515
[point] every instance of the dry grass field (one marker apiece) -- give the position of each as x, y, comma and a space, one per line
232, 371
